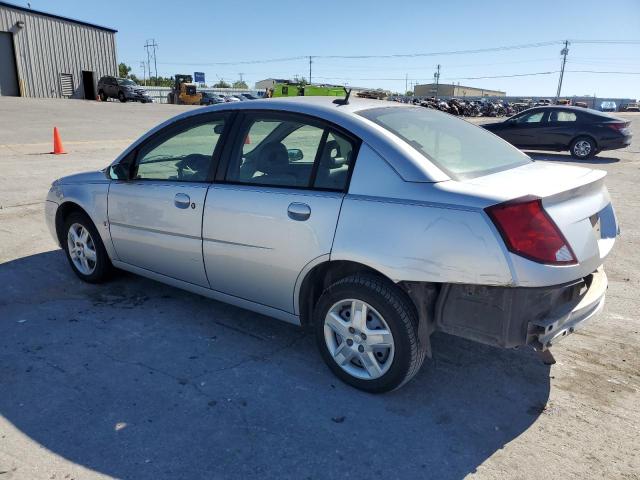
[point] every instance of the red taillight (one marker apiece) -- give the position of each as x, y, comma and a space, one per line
528, 231
618, 127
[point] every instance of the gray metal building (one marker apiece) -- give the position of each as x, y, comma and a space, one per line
46, 55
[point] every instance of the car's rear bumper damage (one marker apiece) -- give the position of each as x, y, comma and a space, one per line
511, 317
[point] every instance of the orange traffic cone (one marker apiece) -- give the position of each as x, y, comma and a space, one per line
58, 149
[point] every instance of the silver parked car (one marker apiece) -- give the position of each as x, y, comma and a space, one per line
374, 223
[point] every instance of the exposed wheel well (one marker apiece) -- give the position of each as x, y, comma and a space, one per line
327, 273
62, 213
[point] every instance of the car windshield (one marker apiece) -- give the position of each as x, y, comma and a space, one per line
457, 147
125, 81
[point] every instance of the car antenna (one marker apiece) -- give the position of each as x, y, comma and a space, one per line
345, 100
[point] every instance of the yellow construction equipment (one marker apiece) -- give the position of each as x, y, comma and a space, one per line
184, 91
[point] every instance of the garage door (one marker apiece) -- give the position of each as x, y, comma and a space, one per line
8, 77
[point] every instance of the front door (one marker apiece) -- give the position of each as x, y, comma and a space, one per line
276, 207
156, 217
526, 130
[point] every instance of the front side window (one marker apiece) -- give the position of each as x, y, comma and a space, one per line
186, 155
457, 147
535, 117
125, 81
289, 152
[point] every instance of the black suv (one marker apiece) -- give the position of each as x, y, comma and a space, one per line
121, 88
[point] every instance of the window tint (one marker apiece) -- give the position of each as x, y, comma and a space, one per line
276, 152
334, 163
184, 156
562, 116
531, 118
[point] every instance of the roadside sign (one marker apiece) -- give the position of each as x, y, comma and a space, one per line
198, 77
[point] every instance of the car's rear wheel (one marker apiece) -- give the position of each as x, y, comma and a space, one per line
367, 332
103, 96
583, 147
84, 248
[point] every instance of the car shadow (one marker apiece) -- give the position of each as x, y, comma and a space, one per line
566, 157
135, 379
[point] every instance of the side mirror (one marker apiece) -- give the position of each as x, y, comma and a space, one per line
218, 129
119, 172
295, 154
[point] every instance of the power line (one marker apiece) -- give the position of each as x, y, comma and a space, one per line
411, 55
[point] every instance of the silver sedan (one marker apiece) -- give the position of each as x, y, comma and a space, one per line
373, 223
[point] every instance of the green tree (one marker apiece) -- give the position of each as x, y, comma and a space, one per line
221, 84
409, 93
123, 70
240, 84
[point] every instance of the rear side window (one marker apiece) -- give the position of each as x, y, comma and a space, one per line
562, 116
290, 152
457, 147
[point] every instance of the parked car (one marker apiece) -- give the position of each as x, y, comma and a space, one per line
123, 89
608, 106
248, 96
632, 107
583, 133
231, 99
373, 225
581, 104
210, 98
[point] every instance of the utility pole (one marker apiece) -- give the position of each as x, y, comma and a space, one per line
436, 76
310, 62
153, 45
564, 53
144, 72
406, 83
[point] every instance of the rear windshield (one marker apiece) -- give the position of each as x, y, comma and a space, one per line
457, 147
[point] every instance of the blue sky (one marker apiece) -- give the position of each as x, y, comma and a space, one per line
193, 35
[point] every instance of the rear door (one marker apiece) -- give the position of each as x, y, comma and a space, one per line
562, 127
275, 206
156, 217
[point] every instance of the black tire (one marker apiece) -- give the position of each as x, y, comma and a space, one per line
103, 96
103, 267
121, 97
399, 314
580, 150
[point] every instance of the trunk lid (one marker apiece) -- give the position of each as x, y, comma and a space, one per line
575, 198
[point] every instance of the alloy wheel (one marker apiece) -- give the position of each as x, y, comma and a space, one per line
82, 249
582, 148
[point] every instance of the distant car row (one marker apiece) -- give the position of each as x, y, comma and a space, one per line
124, 89
215, 98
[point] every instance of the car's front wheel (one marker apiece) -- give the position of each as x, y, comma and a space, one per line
121, 97
367, 332
583, 147
84, 248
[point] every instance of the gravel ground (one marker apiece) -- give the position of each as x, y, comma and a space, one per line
137, 380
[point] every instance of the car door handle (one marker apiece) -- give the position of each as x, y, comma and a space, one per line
182, 200
299, 211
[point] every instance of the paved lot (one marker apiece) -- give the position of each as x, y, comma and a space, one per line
137, 380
